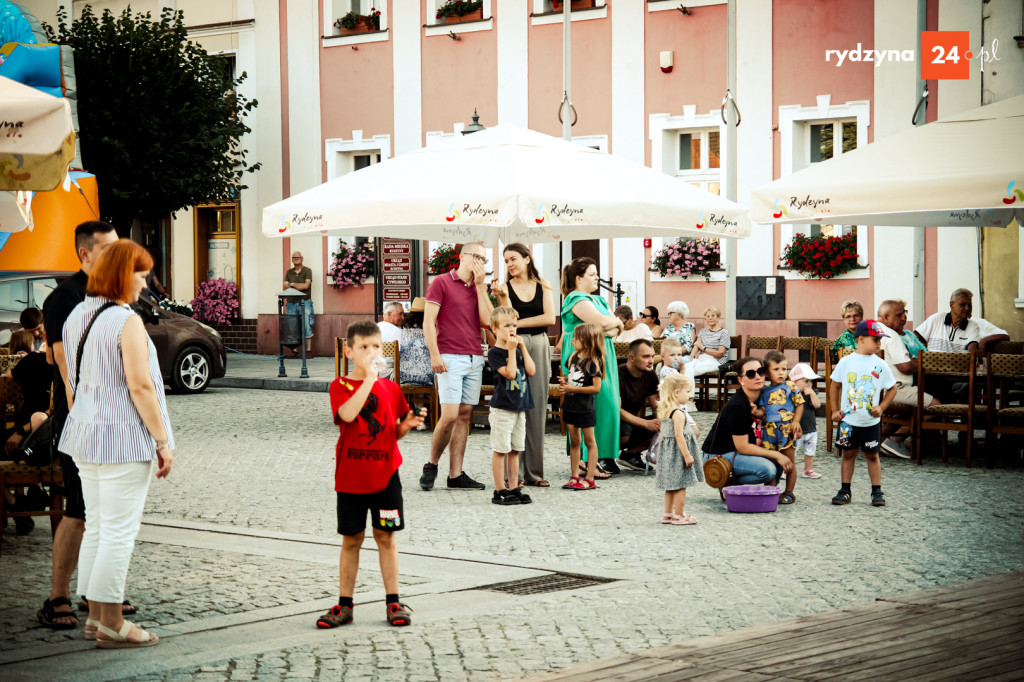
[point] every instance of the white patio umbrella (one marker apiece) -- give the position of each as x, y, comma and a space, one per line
510, 184
37, 140
963, 170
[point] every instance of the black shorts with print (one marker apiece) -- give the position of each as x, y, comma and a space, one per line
865, 438
385, 507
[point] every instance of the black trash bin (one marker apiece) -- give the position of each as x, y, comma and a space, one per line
289, 328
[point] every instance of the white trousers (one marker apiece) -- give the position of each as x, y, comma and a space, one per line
704, 364
114, 497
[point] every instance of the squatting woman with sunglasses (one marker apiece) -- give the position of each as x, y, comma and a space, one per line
733, 434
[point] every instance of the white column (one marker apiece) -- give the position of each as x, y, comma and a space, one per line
895, 98
304, 128
513, 67
958, 246
627, 138
408, 85
756, 255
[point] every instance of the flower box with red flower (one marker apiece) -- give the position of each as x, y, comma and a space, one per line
821, 257
460, 10
556, 5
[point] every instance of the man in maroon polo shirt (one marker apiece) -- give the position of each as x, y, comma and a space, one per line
457, 308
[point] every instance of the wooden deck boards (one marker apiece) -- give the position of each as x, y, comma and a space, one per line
971, 631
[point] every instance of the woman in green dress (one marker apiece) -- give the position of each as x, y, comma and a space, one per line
580, 304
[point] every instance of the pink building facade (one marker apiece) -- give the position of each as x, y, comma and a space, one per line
376, 95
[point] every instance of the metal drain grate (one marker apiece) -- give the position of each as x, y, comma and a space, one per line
555, 582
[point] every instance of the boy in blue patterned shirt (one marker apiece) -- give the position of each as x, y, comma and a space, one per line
783, 405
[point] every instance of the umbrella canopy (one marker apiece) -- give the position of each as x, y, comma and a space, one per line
964, 170
37, 141
510, 184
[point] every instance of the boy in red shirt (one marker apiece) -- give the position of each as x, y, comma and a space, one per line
373, 415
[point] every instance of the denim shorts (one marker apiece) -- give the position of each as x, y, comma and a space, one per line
460, 385
307, 315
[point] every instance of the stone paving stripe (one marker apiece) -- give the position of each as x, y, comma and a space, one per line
198, 648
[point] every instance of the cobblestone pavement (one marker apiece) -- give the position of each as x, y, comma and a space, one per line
231, 609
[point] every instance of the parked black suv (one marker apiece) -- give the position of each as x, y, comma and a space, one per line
190, 353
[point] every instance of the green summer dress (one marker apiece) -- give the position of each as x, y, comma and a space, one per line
606, 433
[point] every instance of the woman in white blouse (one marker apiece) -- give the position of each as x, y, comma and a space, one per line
117, 427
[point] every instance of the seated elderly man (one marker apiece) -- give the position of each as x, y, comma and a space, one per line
892, 314
390, 330
952, 332
638, 389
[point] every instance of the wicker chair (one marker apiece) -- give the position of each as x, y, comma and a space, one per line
726, 379
830, 425
1008, 348
1004, 372
946, 417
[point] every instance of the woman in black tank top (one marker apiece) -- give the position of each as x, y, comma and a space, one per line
536, 314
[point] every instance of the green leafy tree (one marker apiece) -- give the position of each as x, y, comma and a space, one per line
161, 120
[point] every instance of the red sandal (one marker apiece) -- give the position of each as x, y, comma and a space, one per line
574, 484
588, 484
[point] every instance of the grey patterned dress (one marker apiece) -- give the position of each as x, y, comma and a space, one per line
671, 474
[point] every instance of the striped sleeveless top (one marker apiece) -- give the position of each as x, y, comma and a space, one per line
103, 426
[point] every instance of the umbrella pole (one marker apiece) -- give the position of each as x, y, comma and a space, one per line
730, 163
566, 106
917, 303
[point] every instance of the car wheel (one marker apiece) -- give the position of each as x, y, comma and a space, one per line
191, 371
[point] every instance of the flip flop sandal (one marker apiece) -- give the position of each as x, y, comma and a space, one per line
119, 640
48, 616
540, 483
91, 626
129, 611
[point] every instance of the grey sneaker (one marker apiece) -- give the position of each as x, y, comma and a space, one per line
429, 474
464, 481
896, 449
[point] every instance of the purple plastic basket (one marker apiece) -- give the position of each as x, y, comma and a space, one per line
752, 499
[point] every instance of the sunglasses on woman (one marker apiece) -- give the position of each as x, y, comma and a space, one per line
645, 315
751, 373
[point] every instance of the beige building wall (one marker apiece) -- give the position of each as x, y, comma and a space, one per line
1000, 253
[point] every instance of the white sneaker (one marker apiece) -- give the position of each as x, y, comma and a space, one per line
896, 449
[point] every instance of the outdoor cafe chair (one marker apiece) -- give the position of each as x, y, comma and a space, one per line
934, 366
1005, 372
830, 424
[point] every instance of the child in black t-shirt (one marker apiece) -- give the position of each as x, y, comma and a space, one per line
511, 400
580, 385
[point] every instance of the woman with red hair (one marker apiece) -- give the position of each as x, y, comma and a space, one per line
117, 427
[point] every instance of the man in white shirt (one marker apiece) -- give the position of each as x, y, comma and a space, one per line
390, 329
955, 331
892, 314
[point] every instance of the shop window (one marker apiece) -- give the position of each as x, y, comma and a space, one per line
217, 242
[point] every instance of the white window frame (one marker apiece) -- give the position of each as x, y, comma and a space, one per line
333, 10
664, 5
665, 130
340, 157
543, 13
431, 28
1019, 301
795, 123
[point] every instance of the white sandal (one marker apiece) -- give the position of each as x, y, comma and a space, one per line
90, 623
119, 640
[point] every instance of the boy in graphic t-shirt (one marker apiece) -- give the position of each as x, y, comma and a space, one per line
511, 400
373, 415
868, 387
